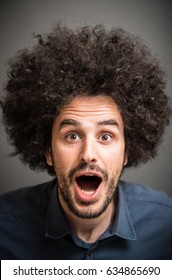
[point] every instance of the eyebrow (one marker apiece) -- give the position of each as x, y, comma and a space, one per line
67, 122
108, 122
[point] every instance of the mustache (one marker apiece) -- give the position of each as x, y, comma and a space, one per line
87, 166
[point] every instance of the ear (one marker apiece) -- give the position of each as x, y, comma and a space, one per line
49, 159
125, 158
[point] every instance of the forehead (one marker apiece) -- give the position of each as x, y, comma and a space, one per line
92, 109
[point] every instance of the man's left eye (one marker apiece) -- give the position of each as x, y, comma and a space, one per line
105, 137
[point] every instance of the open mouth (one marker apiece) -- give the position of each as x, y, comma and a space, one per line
88, 183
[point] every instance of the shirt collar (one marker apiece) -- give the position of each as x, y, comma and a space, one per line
58, 227
123, 225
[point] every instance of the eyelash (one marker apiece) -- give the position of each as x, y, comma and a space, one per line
69, 135
106, 134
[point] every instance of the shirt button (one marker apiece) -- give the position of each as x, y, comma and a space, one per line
89, 254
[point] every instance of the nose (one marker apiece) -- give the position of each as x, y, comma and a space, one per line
88, 152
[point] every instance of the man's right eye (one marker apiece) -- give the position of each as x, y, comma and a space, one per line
72, 137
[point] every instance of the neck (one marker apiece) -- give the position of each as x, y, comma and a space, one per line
89, 230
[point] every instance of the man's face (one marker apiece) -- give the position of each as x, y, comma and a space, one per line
88, 154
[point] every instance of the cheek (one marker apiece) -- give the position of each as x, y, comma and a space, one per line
114, 152
115, 158
60, 158
63, 160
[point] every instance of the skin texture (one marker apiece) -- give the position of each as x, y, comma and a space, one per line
68, 63
88, 138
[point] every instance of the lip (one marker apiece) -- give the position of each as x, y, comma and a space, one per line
88, 196
89, 172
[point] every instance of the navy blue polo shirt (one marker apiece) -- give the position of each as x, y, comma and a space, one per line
33, 226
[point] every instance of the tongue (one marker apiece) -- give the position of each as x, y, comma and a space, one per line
88, 183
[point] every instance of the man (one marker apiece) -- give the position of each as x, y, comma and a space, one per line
84, 104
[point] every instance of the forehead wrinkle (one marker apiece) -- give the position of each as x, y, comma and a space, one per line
85, 111
73, 122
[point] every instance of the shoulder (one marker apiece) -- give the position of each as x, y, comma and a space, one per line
143, 194
26, 197
150, 211
146, 203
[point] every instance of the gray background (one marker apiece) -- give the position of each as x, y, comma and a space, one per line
151, 19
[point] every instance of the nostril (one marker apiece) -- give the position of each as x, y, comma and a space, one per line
88, 161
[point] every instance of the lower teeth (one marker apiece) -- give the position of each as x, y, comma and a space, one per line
87, 192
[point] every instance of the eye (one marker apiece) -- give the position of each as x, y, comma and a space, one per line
72, 137
105, 137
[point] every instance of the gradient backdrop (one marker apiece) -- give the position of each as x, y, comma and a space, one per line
151, 19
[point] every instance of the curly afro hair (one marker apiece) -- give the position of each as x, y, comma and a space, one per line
67, 63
